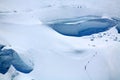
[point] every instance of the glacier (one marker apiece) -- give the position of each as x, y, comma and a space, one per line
48, 42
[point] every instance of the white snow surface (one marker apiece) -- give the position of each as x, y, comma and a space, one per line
55, 56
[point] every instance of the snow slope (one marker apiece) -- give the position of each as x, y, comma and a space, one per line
56, 56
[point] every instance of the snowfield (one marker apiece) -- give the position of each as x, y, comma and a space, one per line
61, 40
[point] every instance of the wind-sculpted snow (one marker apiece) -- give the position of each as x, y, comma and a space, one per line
10, 57
82, 26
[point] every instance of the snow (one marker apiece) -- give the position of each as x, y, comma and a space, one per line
53, 56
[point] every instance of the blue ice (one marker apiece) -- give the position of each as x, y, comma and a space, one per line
118, 28
10, 57
82, 26
118, 23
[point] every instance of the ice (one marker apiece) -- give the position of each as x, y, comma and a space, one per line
9, 57
83, 26
118, 28
1, 47
118, 24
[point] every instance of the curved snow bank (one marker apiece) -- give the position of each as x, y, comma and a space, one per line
82, 26
9, 57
